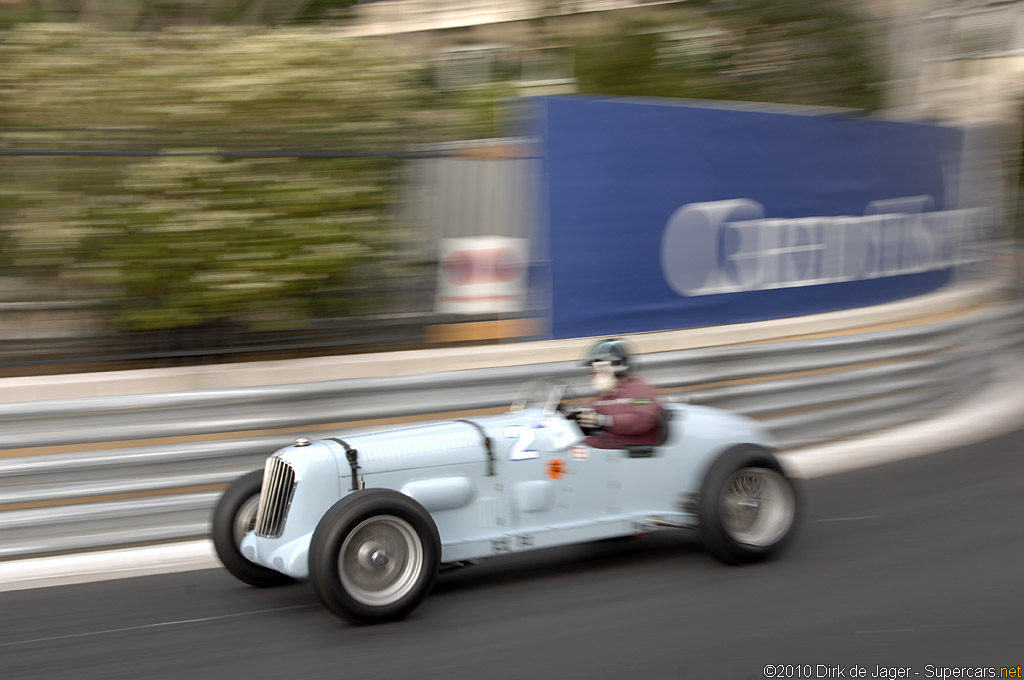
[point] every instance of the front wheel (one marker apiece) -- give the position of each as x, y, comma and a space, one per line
374, 556
748, 507
234, 517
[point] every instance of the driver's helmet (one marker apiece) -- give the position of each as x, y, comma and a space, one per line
611, 351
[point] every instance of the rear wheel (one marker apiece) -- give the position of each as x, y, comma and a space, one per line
374, 556
234, 517
748, 507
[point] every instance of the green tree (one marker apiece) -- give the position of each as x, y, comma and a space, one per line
639, 58
778, 51
191, 236
158, 14
192, 240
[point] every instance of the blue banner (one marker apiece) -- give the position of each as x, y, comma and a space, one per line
663, 215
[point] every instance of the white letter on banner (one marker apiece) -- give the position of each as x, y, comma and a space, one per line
917, 245
750, 259
773, 234
870, 232
689, 244
728, 246
944, 228
802, 253
891, 237
833, 243
902, 205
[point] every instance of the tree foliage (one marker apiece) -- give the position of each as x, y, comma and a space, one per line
193, 236
159, 14
779, 51
196, 239
284, 81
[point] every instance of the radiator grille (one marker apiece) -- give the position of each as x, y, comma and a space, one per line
275, 498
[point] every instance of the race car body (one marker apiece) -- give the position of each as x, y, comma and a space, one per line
370, 518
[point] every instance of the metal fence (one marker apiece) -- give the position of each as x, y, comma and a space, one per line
73, 336
96, 492
48, 325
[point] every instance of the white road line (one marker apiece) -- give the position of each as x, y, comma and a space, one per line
162, 624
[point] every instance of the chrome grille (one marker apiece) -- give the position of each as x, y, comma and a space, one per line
275, 498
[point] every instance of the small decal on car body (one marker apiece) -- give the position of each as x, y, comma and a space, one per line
556, 468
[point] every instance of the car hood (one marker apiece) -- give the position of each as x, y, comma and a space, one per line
408, 448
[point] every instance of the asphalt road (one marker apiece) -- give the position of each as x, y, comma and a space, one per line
916, 564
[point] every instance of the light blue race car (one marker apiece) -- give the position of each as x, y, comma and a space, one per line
372, 518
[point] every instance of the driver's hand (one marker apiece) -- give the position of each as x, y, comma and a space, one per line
590, 419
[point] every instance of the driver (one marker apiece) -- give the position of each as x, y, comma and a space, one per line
626, 411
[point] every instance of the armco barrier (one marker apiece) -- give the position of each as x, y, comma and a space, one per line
806, 391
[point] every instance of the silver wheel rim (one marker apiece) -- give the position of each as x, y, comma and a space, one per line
380, 560
757, 507
245, 519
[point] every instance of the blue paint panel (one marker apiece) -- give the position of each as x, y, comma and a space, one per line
616, 171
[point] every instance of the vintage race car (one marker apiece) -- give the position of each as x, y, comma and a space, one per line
372, 518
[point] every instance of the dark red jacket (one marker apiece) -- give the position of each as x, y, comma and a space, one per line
635, 410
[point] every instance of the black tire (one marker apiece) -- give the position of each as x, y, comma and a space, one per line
748, 508
361, 528
241, 497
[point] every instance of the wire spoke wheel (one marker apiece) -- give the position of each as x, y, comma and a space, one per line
245, 519
757, 506
233, 518
381, 560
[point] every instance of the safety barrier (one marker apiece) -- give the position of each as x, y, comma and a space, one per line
100, 487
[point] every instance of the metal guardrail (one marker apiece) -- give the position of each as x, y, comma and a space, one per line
805, 391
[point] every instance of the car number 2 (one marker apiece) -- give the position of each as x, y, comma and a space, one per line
520, 449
